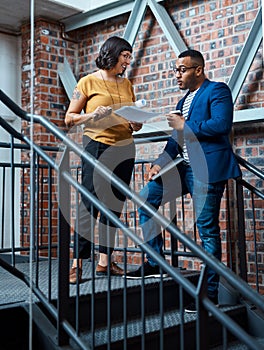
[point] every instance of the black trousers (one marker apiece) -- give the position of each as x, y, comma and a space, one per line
120, 161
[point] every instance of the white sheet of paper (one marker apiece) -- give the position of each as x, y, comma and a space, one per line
135, 114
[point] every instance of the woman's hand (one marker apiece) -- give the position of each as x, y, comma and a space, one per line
135, 126
101, 112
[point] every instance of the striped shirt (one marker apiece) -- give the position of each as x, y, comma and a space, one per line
185, 113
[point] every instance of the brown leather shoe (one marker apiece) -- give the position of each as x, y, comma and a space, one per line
73, 275
115, 270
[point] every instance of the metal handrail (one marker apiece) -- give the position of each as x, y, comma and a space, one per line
254, 170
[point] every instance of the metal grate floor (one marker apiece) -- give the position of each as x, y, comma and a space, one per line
13, 290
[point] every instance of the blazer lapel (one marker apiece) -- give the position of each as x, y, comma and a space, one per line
197, 95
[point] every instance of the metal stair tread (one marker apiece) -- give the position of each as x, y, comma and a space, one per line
153, 324
85, 288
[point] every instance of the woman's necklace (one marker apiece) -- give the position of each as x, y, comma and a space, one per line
113, 102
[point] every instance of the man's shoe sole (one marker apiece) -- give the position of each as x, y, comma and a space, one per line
190, 311
148, 276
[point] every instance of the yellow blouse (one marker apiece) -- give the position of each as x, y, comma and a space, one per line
112, 129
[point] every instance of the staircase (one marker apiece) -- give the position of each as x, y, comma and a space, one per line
142, 329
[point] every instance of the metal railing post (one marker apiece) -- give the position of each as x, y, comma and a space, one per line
63, 248
241, 231
202, 340
174, 241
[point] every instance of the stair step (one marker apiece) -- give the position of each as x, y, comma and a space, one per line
237, 345
133, 297
172, 331
152, 326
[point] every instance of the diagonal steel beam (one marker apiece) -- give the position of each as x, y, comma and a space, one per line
67, 77
135, 20
246, 57
168, 27
99, 14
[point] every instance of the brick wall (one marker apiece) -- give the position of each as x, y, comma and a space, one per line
249, 144
217, 28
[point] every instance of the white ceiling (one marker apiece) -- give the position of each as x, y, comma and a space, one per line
14, 12
85, 5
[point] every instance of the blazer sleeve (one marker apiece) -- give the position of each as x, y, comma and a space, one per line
170, 152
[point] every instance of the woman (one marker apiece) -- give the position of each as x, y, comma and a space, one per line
108, 138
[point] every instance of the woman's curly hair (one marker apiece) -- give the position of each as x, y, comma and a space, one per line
110, 51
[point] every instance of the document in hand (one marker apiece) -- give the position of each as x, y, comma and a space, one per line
135, 114
168, 167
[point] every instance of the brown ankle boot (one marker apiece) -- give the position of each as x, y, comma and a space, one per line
73, 275
115, 270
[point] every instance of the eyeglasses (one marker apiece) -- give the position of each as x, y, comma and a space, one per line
182, 69
126, 56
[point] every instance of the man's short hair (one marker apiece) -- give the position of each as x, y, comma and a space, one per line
195, 55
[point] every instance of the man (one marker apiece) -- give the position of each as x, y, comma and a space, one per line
201, 127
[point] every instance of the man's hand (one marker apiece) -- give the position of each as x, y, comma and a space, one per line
153, 171
176, 121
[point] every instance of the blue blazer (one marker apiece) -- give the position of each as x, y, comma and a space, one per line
206, 133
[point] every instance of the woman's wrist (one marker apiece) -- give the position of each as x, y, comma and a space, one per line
82, 119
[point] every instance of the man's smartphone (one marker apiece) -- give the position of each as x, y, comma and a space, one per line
177, 111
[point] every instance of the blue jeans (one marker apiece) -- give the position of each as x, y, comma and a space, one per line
206, 199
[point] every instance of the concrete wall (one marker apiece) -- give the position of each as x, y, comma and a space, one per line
10, 83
